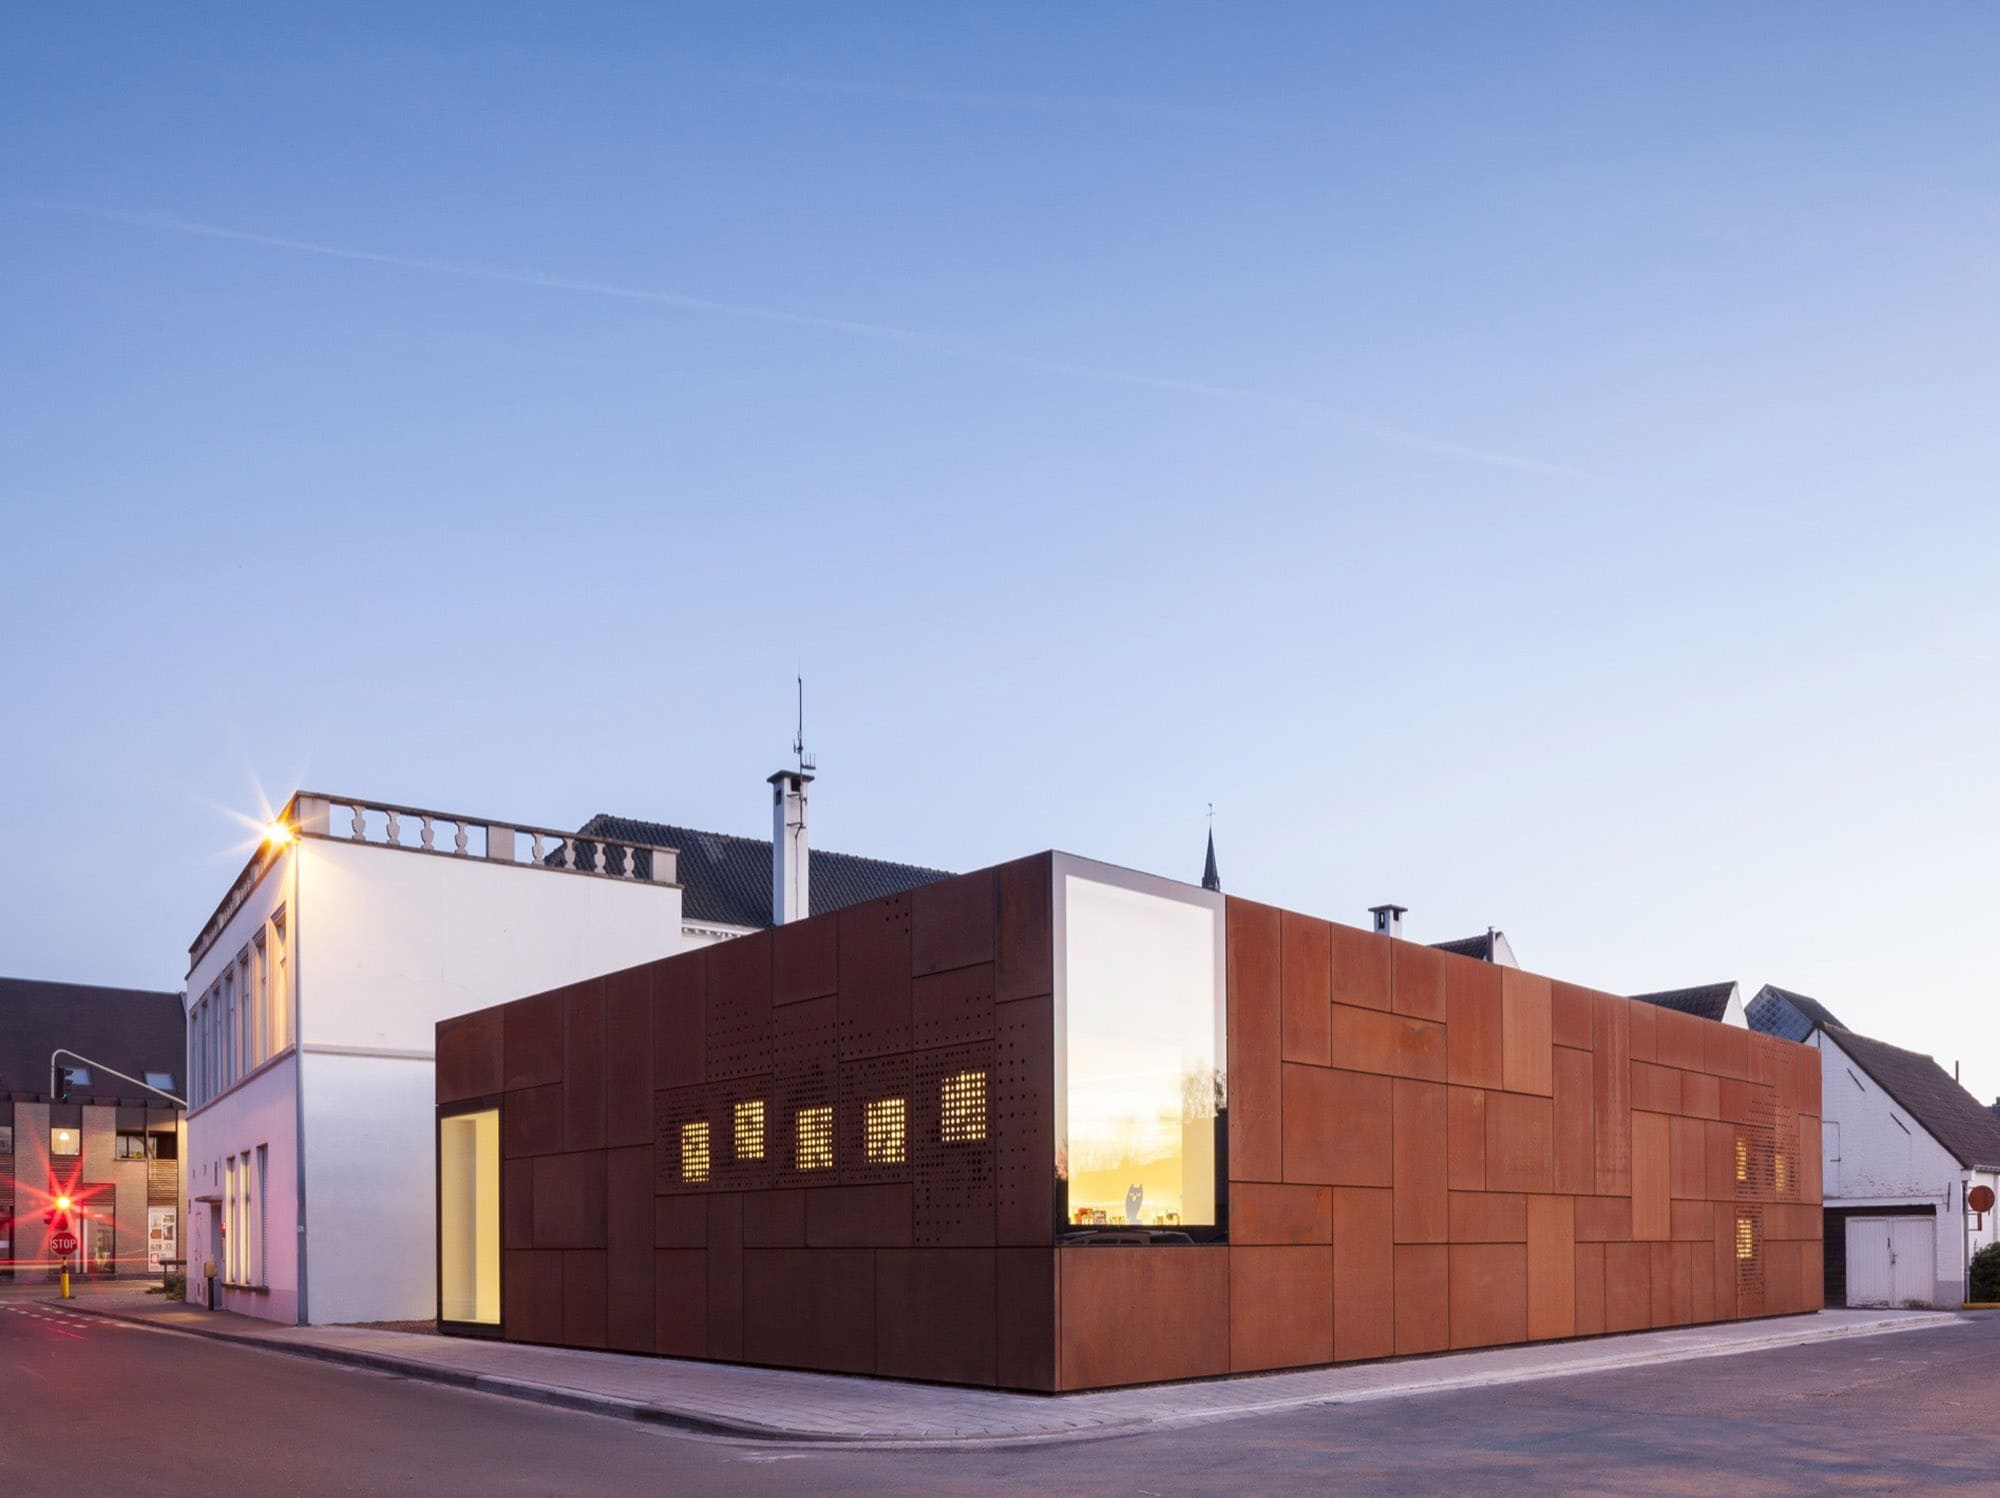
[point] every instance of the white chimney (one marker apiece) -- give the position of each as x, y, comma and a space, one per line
791, 857
1388, 919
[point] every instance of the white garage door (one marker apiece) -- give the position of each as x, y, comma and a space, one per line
1891, 1261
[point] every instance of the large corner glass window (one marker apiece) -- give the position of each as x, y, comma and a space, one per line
469, 1217
1140, 1075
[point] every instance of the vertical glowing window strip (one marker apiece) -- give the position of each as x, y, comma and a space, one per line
750, 1130
1742, 1159
1780, 1169
885, 1132
963, 1110
694, 1151
815, 1142
1746, 1239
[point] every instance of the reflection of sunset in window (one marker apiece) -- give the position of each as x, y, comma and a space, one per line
1140, 1101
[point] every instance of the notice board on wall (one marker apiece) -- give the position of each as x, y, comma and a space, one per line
162, 1236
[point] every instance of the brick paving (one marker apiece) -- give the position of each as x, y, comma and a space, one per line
782, 1405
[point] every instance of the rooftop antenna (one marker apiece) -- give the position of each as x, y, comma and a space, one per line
799, 738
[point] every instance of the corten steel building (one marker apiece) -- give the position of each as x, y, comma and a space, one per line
1058, 1126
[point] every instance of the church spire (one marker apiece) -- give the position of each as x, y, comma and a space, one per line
1210, 879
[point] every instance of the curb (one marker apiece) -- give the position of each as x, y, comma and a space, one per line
581, 1401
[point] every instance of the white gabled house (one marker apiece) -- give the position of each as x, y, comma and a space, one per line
1904, 1146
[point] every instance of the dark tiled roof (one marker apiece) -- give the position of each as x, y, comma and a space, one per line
1787, 1015
1709, 1000
136, 1030
727, 880
1928, 1094
1480, 946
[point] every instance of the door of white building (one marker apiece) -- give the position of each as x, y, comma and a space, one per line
1891, 1261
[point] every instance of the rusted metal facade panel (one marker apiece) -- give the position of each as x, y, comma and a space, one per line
833, 1146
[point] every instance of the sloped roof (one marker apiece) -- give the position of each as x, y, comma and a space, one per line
1926, 1091
726, 880
136, 1030
1709, 1000
1480, 946
1787, 1015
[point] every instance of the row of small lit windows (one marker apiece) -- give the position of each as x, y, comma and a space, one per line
884, 1138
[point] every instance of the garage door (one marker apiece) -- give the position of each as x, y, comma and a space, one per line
1891, 1261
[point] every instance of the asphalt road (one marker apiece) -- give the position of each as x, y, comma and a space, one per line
103, 1407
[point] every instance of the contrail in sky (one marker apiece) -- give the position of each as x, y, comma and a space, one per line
881, 332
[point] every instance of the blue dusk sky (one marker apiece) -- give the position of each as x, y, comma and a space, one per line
1535, 464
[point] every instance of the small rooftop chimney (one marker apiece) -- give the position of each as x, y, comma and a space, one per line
791, 854
1388, 919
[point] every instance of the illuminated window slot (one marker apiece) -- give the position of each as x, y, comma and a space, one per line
750, 1130
815, 1139
1746, 1239
885, 1133
1779, 1166
694, 1152
963, 1108
1742, 1159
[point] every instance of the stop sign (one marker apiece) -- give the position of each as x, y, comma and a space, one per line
62, 1244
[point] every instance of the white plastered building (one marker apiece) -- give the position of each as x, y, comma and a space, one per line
313, 992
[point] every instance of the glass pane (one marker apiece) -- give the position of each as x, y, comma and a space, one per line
1141, 1033
469, 1217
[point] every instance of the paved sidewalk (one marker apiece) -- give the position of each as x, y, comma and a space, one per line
817, 1408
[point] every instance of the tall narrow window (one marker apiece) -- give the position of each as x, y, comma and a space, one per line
694, 1152
229, 1010
749, 1129
281, 993
1746, 1239
259, 1006
232, 1229
244, 1008
1779, 1172
962, 1108
815, 1142
469, 1217
253, 1218
1742, 1159
885, 1132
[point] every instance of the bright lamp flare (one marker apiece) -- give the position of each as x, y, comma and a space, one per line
62, 1204
277, 834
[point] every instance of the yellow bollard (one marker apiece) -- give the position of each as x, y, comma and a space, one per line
65, 1294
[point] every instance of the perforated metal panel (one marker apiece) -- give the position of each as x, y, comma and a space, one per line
872, 1080
1750, 1250
674, 1110
952, 1008
804, 1082
951, 1145
875, 978
1021, 1106
747, 1142
738, 1008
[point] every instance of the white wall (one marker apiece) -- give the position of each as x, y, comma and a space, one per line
391, 942
1878, 1155
261, 1110
371, 1245
399, 940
